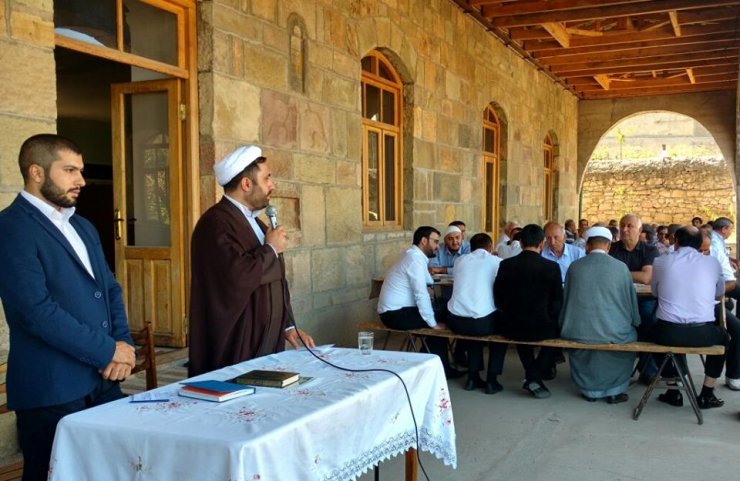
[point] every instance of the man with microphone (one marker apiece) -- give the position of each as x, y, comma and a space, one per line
240, 302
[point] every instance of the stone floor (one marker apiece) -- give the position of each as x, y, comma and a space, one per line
511, 436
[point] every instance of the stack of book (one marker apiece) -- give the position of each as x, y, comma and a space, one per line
264, 378
217, 391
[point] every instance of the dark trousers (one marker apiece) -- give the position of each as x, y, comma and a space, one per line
732, 354
647, 308
535, 366
410, 318
690, 335
36, 427
482, 326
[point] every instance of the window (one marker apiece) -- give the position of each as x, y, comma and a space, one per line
491, 168
381, 143
547, 202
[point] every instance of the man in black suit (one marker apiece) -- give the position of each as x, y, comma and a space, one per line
529, 294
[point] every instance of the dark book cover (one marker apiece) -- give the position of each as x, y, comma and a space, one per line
266, 378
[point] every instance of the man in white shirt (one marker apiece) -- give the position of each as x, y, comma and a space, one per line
405, 301
686, 284
506, 237
473, 312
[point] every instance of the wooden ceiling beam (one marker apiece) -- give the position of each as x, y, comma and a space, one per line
635, 37
698, 40
690, 74
603, 81
608, 11
646, 91
558, 32
539, 6
618, 85
637, 53
673, 15
679, 61
615, 70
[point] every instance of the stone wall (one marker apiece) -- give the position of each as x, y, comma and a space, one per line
660, 191
27, 107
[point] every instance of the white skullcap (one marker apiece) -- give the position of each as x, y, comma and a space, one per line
453, 229
599, 232
231, 165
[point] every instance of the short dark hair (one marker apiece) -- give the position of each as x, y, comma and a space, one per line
456, 223
686, 237
480, 241
532, 235
649, 234
422, 232
248, 171
721, 223
697, 218
42, 150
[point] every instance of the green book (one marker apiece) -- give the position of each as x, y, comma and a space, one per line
266, 378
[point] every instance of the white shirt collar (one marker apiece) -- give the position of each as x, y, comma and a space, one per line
245, 210
63, 214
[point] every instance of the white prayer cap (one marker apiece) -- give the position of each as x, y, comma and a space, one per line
231, 165
599, 232
453, 229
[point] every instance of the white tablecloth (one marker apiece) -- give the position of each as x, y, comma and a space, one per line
334, 427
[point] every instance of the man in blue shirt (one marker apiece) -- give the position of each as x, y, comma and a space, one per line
447, 254
557, 250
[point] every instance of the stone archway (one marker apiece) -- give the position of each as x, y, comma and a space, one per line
664, 166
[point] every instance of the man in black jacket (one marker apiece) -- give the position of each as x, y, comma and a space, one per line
529, 293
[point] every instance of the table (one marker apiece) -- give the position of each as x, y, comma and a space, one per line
334, 427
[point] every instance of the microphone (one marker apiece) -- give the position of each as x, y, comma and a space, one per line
271, 213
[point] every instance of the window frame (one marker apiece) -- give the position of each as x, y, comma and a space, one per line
491, 123
548, 174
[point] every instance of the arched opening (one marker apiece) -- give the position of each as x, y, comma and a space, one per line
665, 166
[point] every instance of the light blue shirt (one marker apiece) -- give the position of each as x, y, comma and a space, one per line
405, 285
718, 250
570, 253
447, 259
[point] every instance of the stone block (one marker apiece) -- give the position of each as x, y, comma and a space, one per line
237, 23
359, 265
313, 215
313, 128
449, 159
28, 81
341, 92
314, 169
354, 136
346, 65
236, 110
339, 130
447, 187
3, 28
15, 131
343, 223
276, 37
266, 9
429, 125
279, 120
348, 173
314, 82
327, 269
423, 186
425, 154
27, 27
265, 67
320, 57
298, 271
280, 162
228, 54
369, 34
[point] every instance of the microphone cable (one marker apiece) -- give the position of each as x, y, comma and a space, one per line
405, 389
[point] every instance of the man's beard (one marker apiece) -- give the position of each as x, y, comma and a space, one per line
55, 195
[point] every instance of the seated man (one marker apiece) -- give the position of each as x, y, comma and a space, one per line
405, 302
686, 284
600, 306
473, 312
528, 292
557, 250
443, 261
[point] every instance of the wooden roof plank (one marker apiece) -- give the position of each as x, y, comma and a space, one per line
535, 6
645, 91
673, 15
607, 11
649, 63
558, 32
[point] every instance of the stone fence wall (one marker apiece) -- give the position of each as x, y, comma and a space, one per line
660, 191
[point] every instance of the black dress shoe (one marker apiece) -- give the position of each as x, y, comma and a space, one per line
493, 387
617, 398
550, 374
710, 401
473, 384
672, 397
454, 373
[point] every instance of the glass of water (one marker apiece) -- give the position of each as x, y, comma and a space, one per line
365, 342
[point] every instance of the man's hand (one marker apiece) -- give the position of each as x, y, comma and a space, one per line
277, 238
437, 270
440, 325
291, 335
116, 371
124, 354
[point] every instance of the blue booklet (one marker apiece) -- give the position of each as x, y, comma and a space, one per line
212, 390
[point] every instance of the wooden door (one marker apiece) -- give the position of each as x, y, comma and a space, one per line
147, 198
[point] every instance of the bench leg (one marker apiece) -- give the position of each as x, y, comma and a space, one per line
683, 372
649, 390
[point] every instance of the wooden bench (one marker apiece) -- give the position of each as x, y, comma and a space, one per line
674, 355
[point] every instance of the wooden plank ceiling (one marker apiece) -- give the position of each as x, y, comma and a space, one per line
617, 48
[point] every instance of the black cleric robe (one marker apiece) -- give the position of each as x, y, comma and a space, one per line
239, 301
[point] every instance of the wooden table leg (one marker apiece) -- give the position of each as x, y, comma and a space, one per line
411, 464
